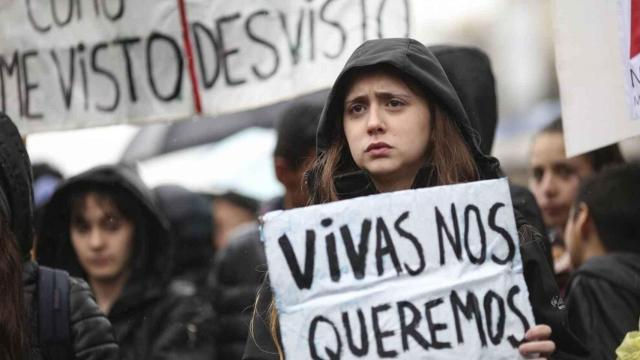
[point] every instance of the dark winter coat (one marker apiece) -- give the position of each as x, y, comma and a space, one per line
603, 298
415, 61
91, 335
150, 322
191, 222
238, 271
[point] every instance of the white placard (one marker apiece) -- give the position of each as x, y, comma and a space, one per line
598, 74
81, 63
432, 273
256, 52
75, 63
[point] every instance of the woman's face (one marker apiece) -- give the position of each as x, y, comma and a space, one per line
554, 179
387, 128
102, 239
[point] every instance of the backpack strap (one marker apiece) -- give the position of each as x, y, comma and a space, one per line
53, 313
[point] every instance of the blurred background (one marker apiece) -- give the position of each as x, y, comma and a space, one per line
234, 152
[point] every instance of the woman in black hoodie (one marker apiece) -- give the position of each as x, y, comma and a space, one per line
91, 336
393, 121
103, 225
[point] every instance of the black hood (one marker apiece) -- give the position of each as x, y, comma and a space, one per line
16, 194
621, 269
469, 70
191, 221
415, 61
152, 250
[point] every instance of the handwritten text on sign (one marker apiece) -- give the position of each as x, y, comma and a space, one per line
432, 272
75, 63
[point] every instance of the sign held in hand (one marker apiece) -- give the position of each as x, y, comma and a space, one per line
432, 272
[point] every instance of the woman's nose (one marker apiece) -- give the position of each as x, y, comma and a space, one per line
95, 239
375, 120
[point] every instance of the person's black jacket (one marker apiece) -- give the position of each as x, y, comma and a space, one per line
91, 336
415, 61
150, 322
191, 222
238, 271
603, 298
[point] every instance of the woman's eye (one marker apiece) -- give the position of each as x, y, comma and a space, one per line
395, 103
356, 108
80, 227
112, 224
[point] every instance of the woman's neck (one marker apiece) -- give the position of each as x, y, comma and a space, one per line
108, 291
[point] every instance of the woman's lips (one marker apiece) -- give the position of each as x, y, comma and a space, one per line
553, 210
378, 149
100, 261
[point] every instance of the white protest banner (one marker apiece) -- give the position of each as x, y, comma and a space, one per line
256, 52
432, 273
597, 44
76, 63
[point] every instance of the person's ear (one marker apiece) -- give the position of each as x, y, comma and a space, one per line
283, 172
583, 222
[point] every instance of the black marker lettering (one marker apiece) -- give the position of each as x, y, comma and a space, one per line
382, 234
411, 328
454, 241
303, 279
364, 339
435, 327
483, 238
504, 233
357, 259
407, 235
379, 334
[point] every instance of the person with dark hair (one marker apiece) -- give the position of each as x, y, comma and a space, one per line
189, 216
239, 269
23, 311
603, 240
554, 180
231, 211
391, 122
103, 225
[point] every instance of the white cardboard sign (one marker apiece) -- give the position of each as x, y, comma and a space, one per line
597, 43
82, 63
432, 273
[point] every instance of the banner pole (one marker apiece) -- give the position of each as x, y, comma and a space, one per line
186, 37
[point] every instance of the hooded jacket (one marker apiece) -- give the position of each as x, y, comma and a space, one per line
91, 333
415, 61
603, 298
190, 217
149, 321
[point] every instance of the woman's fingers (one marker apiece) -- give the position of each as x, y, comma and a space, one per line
537, 342
538, 332
537, 347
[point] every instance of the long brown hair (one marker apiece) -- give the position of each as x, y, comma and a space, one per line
12, 308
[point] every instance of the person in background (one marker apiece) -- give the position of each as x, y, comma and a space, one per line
554, 180
189, 216
91, 336
231, 211
603, 239
104, 226
240, 268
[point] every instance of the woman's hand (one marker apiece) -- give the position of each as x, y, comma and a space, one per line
537, 344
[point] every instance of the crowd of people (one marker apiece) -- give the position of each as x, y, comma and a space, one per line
99, 266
